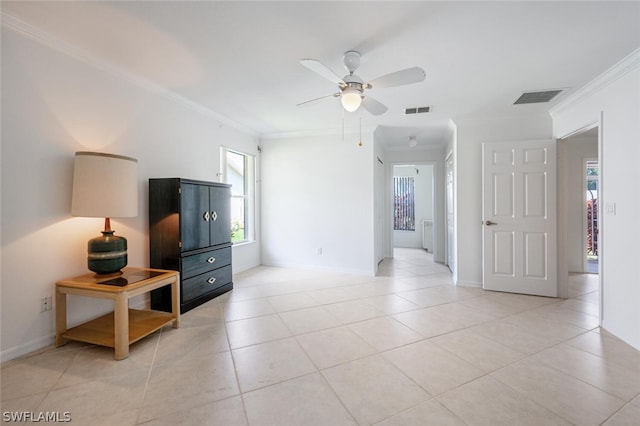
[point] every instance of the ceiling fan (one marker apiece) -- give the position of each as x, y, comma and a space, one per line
352, 87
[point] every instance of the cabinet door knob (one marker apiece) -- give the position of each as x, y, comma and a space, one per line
211, 280
214, 215
205, 216
211, 259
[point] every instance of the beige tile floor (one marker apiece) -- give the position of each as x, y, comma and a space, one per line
302, 347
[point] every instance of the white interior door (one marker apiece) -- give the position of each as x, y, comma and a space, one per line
519, 217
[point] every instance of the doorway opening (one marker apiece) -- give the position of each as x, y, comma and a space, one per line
592, 183
413, 206
581, 192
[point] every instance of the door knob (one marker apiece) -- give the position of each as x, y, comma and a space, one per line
489, 223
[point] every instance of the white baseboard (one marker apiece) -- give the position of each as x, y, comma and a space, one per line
25, 348
370, 273
469, 284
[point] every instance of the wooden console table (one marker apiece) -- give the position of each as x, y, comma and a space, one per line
124, 326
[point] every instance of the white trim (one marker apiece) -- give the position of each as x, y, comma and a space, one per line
469, 284
624, 66
351, 271
429, 147
329, 131
82, 55
250, 181
576, 133
434, 202
28, 347
601, 220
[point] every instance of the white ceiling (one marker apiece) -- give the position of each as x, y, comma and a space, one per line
241, 59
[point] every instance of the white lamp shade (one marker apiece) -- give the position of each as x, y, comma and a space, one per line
104, 185
351, 99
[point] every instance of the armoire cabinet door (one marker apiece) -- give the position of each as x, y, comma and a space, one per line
195, 216
220, 230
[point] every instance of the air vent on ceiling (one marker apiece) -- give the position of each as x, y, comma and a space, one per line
537, 97
417, 110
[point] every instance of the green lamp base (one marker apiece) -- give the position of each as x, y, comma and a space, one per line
107, 254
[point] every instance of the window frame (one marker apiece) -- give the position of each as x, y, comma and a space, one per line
249, 183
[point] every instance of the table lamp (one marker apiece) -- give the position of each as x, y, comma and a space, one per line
105, 185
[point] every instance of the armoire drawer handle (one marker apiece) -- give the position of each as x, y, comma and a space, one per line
211, 259
205, 216
211, 280
214, 215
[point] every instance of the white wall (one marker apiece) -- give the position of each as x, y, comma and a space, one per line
614, 96
423, 184
578, 150
52, 106
320, 196
470, 135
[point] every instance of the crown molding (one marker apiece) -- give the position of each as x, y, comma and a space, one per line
620, 69
438, 146
329, 131
37, 34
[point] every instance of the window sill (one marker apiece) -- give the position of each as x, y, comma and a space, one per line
243, 243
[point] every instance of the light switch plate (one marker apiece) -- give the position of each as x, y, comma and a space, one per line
610, 208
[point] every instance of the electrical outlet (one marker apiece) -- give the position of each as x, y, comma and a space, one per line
46, 304
319, 251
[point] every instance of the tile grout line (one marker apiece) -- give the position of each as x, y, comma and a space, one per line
233, 362
148, 379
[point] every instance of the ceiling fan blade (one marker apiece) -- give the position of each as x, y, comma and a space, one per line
323, 70
333, 95
373, 106
398, 78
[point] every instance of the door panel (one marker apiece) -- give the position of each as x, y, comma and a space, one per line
535, 246
519, 217
194, 217
503, 199
220, 231
504, 254
535, 195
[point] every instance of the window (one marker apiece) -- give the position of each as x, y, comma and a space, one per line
404, 204
238, 169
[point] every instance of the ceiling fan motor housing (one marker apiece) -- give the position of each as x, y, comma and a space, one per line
353, 82
351, 60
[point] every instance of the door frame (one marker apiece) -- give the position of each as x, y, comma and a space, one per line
434, 201
449, 243
389, 203
563, 267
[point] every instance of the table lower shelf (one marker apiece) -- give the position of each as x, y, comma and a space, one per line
100, 331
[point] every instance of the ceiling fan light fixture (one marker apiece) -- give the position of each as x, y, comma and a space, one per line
351, 99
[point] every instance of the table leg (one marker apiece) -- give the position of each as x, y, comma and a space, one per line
61, 317
121, 326
175, 301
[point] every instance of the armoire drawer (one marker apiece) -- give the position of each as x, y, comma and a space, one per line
200, 263
204, 283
